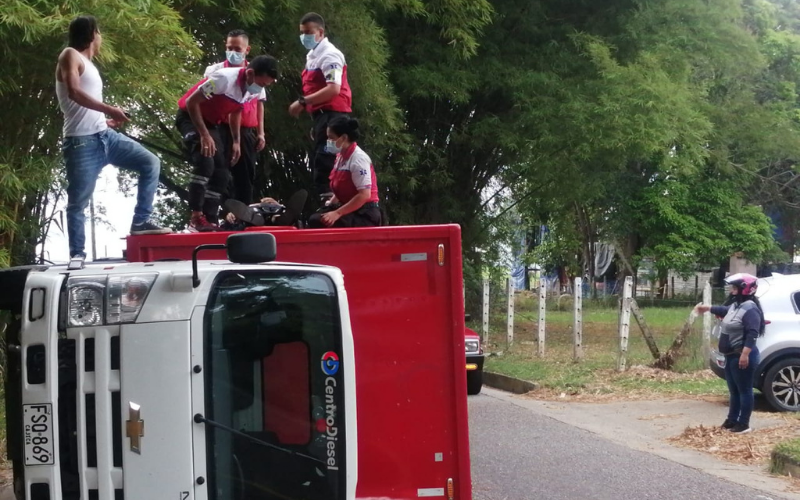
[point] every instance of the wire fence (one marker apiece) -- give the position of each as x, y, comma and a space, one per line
549, 322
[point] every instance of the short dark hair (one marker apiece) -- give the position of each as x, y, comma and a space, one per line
81, 32
313, 17
264, 65
344, 125
237, 33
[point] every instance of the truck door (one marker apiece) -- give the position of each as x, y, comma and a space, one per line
274, 387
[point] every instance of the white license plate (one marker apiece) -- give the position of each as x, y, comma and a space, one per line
38, 425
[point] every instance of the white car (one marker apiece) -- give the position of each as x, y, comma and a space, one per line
778, 373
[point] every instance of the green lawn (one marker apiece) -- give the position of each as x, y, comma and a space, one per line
790, 449
596, 370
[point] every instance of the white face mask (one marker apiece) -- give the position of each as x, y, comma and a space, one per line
234, 58
332, 148
309, 41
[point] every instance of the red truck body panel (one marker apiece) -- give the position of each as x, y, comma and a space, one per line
407, 318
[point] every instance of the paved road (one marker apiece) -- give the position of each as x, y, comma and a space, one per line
519, 454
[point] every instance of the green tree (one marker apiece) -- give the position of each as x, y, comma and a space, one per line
142, 41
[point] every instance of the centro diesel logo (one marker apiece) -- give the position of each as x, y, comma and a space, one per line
330, 366
330, 363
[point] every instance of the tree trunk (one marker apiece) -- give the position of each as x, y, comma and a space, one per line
663, 279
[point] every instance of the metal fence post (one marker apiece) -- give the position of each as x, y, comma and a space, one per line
485, 326
577, 327
625, 323
510, 311
542, 312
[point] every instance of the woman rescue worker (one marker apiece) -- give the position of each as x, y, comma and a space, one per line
353, 181
742, 323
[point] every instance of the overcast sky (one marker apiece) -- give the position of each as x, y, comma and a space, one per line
119, 212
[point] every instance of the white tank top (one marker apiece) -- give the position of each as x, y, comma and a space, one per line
79, 120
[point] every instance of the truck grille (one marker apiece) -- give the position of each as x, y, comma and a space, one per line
90, 415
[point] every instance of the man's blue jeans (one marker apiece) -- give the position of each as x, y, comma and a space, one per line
85, 156
740, 386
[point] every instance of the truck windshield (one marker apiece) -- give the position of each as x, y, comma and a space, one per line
273, 372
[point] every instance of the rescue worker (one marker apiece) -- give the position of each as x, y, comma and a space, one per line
90, 141
353, 181
326, 95
253, 139
202, 110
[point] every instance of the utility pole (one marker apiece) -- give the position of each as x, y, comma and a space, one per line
94, 239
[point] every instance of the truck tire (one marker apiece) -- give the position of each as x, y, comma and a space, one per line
474, 382
782, 385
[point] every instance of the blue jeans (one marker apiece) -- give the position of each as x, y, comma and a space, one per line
740, 386
85, 156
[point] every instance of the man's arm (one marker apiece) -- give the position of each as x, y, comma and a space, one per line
235, 124
69, 70
324, 96
333, 71
207, 145
262, 140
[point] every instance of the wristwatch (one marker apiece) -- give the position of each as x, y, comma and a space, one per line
302, 100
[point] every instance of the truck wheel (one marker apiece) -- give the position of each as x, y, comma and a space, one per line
782, 385
474, 382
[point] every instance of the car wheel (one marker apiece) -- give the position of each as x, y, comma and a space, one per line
474, 382
782, 385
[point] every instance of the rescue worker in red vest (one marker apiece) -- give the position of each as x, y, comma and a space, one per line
203, 109
252, 125
353, 181
326, 94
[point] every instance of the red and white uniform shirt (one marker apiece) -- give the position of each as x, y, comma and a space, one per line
225, 91
325, 65
352, 172
250, 110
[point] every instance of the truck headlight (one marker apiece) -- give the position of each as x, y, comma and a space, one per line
110, 300
472, 346
86, 301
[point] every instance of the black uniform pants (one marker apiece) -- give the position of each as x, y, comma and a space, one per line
322, 161
210, 176
366, 216
244, 171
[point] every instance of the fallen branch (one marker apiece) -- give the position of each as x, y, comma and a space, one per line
667, 360
648, 335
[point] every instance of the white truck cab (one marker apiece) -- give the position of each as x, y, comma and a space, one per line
182, 380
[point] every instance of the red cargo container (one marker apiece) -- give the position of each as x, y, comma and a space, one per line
404, 286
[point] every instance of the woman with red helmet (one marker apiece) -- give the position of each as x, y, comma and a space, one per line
742, 323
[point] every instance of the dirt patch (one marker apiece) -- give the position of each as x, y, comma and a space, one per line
634, 384
749, 449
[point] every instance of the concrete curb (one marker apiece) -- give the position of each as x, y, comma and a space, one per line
784, 464
508, 384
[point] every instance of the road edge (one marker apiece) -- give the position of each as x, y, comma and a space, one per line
508, 384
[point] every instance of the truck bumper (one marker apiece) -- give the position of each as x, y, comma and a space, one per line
475, 362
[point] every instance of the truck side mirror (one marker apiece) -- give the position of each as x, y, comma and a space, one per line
253, 248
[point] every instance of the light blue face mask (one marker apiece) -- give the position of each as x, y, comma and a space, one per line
308, 41
234, 58
332, 148
255, 89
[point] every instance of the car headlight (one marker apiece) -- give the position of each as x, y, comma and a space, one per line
110, 300
472, 346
